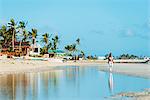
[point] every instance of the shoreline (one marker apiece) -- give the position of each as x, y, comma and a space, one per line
10, 66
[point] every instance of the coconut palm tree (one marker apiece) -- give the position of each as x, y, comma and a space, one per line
12, 29
46, 41
67, 48
83, 54
25, 36
5, 37
22, 31
3, 34
55, 42
71, 48
3, 40
78, 41
33, 35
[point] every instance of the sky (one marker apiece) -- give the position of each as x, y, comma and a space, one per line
117, 26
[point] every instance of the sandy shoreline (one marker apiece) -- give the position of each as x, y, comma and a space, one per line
21, 66
10, 66
26, 66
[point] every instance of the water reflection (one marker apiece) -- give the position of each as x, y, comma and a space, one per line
9, 84
46, 84
28, 86
111, 82
72, 74
66, 83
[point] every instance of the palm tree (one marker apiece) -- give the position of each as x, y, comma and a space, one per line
45, 40
12, 29
71, 48
55, 42
67, 48
3, 34
83, 54
5, 37
22, 26
78, 41
33, 35
25, 36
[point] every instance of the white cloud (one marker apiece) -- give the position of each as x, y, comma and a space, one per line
141, 31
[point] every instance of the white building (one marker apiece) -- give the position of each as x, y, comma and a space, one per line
35, 50
146, 58
101, 58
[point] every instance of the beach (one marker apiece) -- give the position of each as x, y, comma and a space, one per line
10, 66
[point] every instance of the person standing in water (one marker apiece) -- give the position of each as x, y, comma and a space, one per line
110, 61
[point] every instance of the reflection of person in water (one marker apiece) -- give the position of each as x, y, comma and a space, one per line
110, 61
110, 82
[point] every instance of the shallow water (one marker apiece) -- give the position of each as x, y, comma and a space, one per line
68, 83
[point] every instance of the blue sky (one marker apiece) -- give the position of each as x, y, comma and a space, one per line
117, 26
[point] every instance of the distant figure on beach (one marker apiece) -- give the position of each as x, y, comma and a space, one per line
110, 61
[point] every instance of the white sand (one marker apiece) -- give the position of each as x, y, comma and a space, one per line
20, 66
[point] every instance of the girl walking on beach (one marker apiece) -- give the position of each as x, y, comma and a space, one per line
110, 61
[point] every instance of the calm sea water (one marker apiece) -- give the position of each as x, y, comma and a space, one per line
68, 83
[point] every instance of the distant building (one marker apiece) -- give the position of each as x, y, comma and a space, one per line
101, 58
18, 50
35, 50
146, 58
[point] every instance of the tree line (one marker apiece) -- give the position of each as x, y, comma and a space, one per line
17, 32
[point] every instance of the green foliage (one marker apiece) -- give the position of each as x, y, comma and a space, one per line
127, 56
49, 43
33, 35
13, 31
43, 50
55, 42
78, 41
92, 57
72, 48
